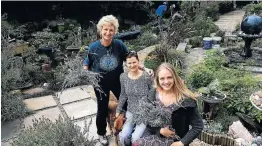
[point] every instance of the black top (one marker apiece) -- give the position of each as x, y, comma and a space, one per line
183, 115
108, 61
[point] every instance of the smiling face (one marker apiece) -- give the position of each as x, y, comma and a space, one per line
165, 79
132, 64
107, 32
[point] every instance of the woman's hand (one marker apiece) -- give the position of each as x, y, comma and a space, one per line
167, 133
85, 67
149, 71
117, 114
177, 143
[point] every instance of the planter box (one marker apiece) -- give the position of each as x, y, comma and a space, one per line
216, 139
19, 49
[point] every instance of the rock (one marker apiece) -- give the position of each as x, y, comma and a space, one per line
237, 130
249, 123
242, 142
46, 85
16, 92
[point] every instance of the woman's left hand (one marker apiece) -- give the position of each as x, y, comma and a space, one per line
177, 143
149, 71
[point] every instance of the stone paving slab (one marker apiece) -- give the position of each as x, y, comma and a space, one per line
92, 129
33, 91
181, 47
40, 102
81, 109
9, 129
91, 91
73, 94
144, 53
5, 144
51, 113
194, 57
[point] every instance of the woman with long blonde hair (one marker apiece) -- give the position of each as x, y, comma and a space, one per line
171, 93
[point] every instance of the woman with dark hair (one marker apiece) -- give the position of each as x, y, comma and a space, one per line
135, 84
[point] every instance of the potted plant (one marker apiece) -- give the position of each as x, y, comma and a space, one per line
211, 93
211, 96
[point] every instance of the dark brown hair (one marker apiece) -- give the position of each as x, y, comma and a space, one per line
132, 54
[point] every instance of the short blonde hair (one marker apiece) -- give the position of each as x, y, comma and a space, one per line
107, 19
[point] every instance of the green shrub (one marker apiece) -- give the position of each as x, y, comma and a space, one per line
238, 101
213, 127
196, 41
225, 6
253, 9
46, 38
12, 107
211, 11
46, 133
152, 63
237, 84
234, 83
214, 59
225, 117
257, 43
177, 59
204, 26
146, 39
205, 72
201, 76
227, 73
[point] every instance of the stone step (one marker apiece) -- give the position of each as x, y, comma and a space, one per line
81, 109
10, 129
51, 113
40, 102
33, 91
92, 134
73, 94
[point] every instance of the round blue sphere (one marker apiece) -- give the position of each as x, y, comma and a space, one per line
252, 24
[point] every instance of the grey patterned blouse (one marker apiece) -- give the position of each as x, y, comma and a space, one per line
133, 90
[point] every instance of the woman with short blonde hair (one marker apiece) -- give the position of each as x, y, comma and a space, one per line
106, 57
107, 19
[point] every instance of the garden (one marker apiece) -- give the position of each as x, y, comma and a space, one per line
48, 54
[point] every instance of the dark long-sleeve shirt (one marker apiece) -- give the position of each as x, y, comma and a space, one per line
182, 116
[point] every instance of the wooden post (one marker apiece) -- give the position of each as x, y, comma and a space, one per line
205, 137
209, 138
223, 141
213, 139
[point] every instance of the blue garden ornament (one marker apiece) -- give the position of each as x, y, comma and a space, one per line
251, 29
252, 24
161, 10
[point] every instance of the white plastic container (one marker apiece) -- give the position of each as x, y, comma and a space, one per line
216, 42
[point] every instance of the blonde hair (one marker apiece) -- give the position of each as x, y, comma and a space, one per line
107, 19
179, 88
